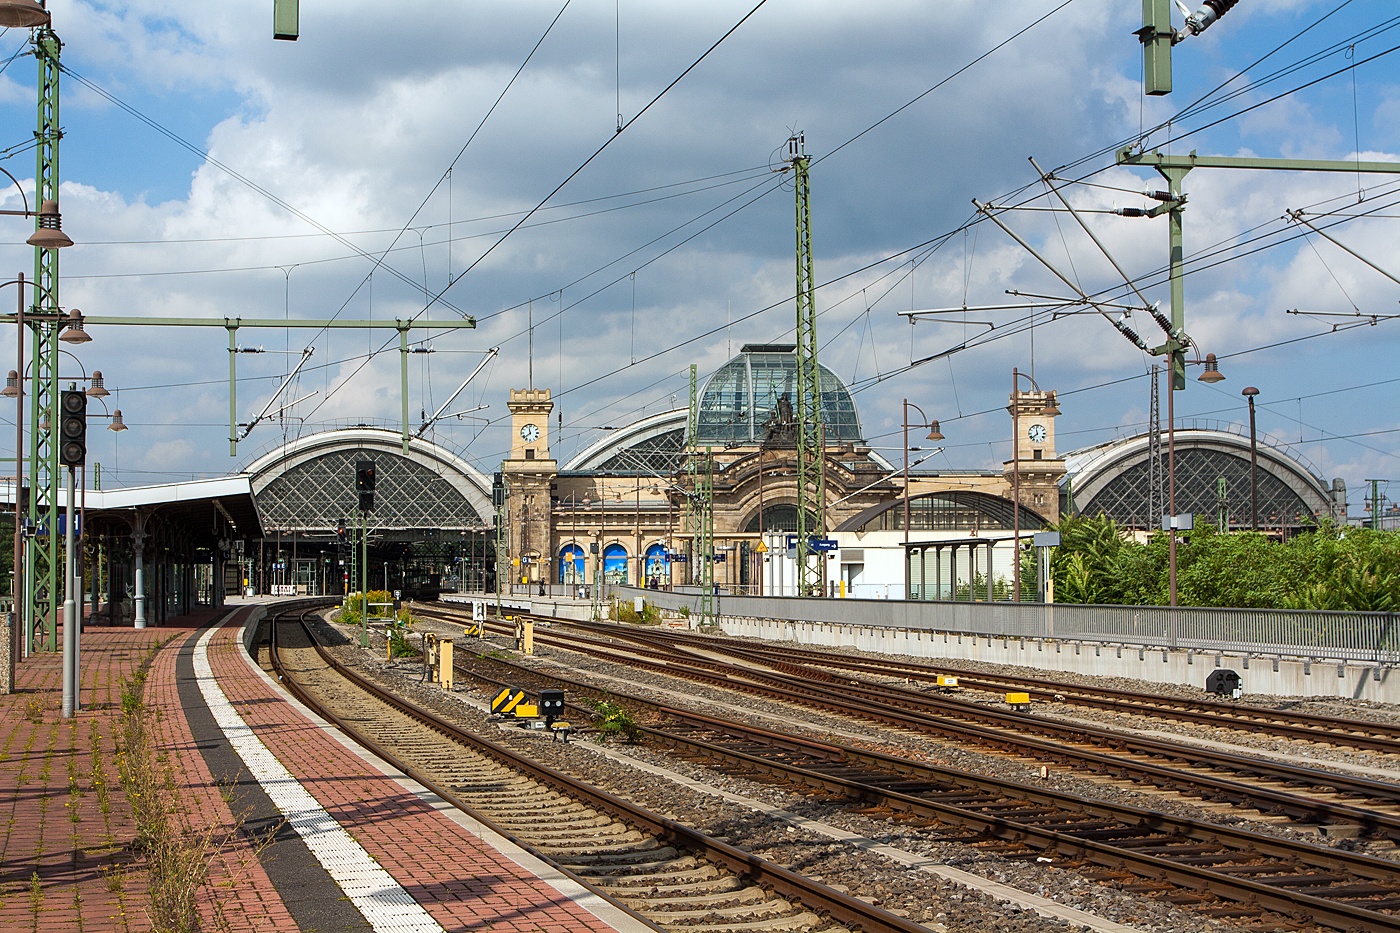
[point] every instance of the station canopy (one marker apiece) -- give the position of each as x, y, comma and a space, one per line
308, 484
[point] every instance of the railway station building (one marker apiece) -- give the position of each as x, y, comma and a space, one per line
617, 509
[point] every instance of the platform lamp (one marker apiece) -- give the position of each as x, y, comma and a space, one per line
22, 13
1250, 392
1210, 374
934, 434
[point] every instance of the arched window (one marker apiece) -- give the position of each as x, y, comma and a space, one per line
656, 565
615, 564
571, 565
778, 517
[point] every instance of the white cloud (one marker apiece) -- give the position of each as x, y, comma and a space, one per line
357, 120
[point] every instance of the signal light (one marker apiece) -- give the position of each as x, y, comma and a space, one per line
72, 427
364, 476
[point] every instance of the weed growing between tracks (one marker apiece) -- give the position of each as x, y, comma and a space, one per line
179, 851
616, 720
398, 642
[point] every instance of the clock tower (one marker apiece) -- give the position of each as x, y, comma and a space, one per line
529, 474
1039, 467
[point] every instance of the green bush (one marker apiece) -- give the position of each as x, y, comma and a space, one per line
623, 612
350, 614
615, 720
399, 645
1328, 567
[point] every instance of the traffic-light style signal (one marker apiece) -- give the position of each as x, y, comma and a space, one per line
72, 428
364, 476
364, 484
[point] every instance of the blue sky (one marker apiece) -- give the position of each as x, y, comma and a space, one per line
357, 122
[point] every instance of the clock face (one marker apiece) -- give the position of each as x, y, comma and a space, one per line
1036, 433
530, 433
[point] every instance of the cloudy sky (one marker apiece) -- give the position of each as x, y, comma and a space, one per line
210, 171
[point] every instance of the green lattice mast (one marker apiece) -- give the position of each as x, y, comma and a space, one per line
42, 557
811, 466
692, 456
705, 540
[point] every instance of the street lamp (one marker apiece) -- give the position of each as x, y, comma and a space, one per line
49, 234
1249, 392
74, 332
933, 435
1210, 374
14, 388
22, 13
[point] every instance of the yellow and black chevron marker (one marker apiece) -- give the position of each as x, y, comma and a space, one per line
506, 701
472, 629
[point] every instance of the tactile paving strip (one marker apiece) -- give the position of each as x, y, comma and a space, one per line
383, 902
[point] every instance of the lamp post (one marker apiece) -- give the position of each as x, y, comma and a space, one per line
1249, 392
1210, 374
933, 435
14, 388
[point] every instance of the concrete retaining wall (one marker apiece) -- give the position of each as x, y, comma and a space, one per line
1263, 675
579, 610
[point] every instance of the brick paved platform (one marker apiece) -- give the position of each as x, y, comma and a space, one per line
69, 855
67, 859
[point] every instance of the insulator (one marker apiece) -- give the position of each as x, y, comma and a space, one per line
1163, 322
1132, 335
1131, 212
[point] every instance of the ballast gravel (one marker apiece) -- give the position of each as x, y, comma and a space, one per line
933, 902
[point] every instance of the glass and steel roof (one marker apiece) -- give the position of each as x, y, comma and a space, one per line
743, 393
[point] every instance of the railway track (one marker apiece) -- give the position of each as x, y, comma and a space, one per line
1312, 727
668, 874
1307, 796
1217, 870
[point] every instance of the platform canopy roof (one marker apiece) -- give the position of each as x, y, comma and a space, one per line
206, 510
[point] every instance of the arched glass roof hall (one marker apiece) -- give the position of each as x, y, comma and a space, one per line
307, 485
742, 393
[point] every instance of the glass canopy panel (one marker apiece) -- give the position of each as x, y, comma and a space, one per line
318, 493
659, 454
1198, 474
743, 394
724, 406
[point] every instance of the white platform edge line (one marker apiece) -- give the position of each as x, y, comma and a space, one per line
383, 902
567, 887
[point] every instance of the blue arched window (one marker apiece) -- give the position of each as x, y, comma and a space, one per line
656, 565
571, 565
615, 564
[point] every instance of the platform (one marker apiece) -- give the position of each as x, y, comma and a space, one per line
305, 830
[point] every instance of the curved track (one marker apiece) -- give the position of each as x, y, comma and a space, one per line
1335, 730
1192, 862
674, 877
1309, 796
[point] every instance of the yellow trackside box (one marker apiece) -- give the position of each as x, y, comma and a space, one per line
1019, 700
526, 710
944, 680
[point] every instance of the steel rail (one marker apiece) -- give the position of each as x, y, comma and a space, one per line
874, 703
1314, 727
815, 896
1248, 844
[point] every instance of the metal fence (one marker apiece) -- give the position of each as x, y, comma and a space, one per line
1366, 637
